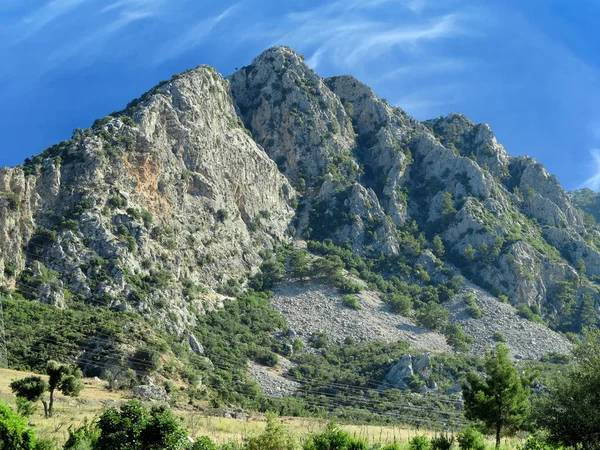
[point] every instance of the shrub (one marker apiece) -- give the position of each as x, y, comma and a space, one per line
442, 442
400, 303
275, 437
433, 316
472, 308
419, 443
471, 439
499, 337
145, 360
14, 434
319, 340
117, 202
204, 443
350, 301
334, 438
457, 339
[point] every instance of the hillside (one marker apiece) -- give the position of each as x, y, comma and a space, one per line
155, 238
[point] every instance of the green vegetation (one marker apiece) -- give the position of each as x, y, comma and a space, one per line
351, 301
61, 377
499, 400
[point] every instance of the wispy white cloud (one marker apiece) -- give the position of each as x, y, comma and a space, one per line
193, 37
427, 68
349, 33
44, 16
96, 40
593, 182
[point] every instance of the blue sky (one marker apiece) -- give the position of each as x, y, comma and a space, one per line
529, 68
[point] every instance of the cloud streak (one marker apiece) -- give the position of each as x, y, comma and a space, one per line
44, 16
192, 38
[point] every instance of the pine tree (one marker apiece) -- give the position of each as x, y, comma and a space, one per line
437, 246
501, 398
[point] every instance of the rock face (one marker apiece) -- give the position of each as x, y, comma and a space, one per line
151, 393
400, 374
184, 193
177, 194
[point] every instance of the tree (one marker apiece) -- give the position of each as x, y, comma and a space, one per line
14, 434
131, 427
570, 410
437, 246
587, 312
30, 389
299, 264
501, 398
329, 267
448, 209
457, 338
63, 378
469, 252
433, 316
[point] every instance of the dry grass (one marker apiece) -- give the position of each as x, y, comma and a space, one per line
95, 398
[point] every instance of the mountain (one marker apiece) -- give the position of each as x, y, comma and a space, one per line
204, 186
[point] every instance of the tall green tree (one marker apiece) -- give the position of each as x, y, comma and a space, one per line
61, 377
499, 399
570, 410
300, 264
64, 378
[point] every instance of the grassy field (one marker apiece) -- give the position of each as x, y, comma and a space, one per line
95, 398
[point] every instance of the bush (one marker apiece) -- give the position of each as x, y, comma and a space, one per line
275, 437
457, 339
400, 303
471, 439
442, 442
14, 434
334, 438
204, 443
433, 316
472, 308
145, 360
350, 301
419, 443
499, 337
319, 340
117, 202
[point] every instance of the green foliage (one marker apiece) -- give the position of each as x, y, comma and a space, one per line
472, 307
334, 438
132, 427
12, 199
14, 434
500, 400
145, 360
204, 443
442, 442
400, 303
469, 253
471, 439
275, 437
350, 301
526, 312
299, 264
457, 338
433, 316
117, 202
419, 443
319, 340
569, 413
437, 246
31, 388
499, 337
448, 209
